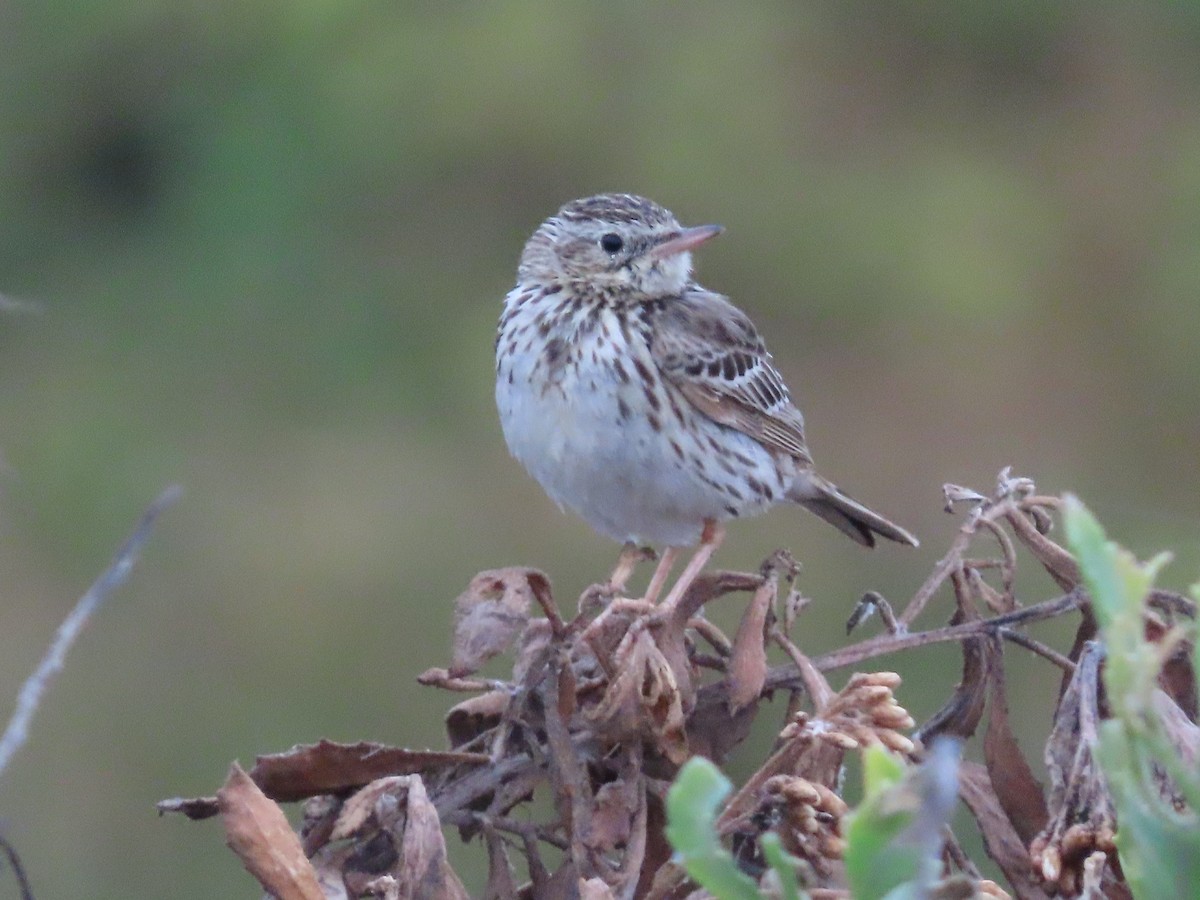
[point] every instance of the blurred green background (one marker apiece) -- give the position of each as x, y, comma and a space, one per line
267, 245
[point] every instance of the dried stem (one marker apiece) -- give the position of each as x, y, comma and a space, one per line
52, 662
14, 860
789, 677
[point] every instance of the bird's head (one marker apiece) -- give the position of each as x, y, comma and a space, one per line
618, 244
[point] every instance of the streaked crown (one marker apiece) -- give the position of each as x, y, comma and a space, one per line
603, 245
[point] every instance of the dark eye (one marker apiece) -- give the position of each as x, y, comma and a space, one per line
611, 243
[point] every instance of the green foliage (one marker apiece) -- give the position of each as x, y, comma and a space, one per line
692, 805
893, 839
1159, 845
874, 864
783, 864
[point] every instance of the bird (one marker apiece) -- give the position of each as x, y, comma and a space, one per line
645, 403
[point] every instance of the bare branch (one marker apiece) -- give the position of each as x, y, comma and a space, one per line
788, 676
113, 577
14, 860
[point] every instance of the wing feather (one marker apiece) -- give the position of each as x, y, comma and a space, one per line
710, 350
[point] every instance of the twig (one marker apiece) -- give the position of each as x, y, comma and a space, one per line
1014, 497
787, 676
525, 830
1008, 564
14, 860
713, 635
1021, 639
568, 772
541, 593
816, 686
940, 573
873, 602
112, 578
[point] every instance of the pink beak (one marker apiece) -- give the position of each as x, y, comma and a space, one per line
685, 240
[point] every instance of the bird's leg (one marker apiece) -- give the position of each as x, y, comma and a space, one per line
710, 539
631, 555
661, 571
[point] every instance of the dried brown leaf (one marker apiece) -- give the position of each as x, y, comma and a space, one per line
1182, 733
1021, 794
616, 806
568, 773
491, 613
709, 587
396, 832
712, 730
1081, 815
1060, 564
533, 651
670, 633
816, 684
468, 720
960, 715
320, 814
748, 665
1001, 841
642, 699
1177, 676
327, 767
258, 832
426, 872
360, 806
1086, 631
500, 883
1184, 737
658, 851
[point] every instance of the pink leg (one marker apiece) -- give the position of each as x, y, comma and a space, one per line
630, 556
661, 571
710, 540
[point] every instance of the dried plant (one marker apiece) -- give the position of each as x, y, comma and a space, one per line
604, 707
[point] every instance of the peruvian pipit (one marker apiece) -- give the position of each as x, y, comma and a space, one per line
644, 402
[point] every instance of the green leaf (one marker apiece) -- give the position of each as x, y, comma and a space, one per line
1160, 850
1117, 585
875, 863
881, 770
783, 864
692, 804
1159, 845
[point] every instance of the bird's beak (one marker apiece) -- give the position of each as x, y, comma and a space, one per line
685, 240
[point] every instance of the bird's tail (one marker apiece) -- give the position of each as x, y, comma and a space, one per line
845, 513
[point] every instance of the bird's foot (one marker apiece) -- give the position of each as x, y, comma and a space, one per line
631, 555
710, 539
598, 596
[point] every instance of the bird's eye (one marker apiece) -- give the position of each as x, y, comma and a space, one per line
611, 243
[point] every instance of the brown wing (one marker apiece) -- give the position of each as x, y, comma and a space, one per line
710, 350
